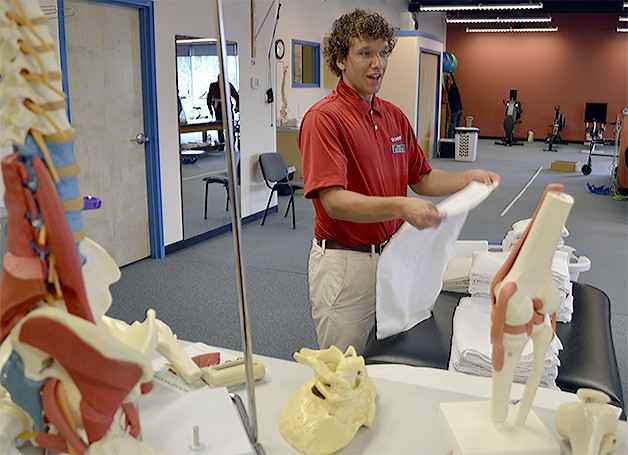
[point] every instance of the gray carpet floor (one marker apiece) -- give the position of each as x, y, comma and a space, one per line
194, 290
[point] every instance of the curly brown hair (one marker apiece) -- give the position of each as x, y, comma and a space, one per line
357, 23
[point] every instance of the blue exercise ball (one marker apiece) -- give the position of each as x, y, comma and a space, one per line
450, 62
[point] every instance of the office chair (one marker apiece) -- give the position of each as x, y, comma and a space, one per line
223, 179
276, 177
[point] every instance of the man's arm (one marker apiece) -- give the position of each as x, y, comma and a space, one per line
421, 213
347, 205
210, 103
235, 95
443, 183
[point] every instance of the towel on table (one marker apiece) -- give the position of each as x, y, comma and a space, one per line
485, 264
471, 348
518, 228
484, 267
456, 277
411, 267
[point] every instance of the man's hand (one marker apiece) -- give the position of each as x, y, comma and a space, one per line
482, 176
421, 213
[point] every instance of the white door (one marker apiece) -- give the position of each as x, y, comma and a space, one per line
106, 107
428, 101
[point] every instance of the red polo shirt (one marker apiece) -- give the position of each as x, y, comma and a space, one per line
371, 150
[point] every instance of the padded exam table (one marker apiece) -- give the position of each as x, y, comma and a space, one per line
587, 358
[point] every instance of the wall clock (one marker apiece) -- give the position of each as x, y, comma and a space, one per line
280, 49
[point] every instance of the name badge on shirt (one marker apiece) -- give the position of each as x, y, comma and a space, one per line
397, 144
400, 148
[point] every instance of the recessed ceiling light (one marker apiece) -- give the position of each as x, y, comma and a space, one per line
197, 41
511, 29
496, 20
480, 7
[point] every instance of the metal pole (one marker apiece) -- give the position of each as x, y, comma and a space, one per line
236, 226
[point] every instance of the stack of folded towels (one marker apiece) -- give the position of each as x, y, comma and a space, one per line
456, 277
513, 236
485, 264
471, 347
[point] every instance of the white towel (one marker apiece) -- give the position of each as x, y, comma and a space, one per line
456, 277
520, 226
512, 237
485, 264
411, 267
471, 348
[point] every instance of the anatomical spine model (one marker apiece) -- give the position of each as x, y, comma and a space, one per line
70, 375
523, 293
323, 416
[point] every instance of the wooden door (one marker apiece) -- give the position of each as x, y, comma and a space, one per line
427, 134
104, 73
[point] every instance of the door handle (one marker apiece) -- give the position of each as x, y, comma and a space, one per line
140, 138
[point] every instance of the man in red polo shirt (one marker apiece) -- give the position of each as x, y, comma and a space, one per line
360, 154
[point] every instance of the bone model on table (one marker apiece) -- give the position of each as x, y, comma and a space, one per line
590, 425
323, 416
523, 293
70, 374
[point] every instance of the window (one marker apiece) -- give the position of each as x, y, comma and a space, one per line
306, 58
197, 67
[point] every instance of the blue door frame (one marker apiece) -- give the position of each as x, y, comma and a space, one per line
149, 90
439, 76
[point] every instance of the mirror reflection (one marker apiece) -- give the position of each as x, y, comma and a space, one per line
204, 184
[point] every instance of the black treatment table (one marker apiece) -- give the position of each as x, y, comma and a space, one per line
586, 360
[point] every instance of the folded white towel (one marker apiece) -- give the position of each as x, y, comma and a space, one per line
485, 264
520, 226
512, 237
471, 348
456, 277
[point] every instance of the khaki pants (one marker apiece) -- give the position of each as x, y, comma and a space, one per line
342, 293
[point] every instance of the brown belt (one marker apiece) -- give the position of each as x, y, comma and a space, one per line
336, 245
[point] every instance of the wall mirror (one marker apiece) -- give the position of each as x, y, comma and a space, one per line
204, 183
306, 64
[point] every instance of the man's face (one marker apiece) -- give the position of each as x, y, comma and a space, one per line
364, 66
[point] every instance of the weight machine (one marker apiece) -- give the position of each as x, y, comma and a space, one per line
513, 116
559, 125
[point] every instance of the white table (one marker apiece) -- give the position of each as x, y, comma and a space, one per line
407, 407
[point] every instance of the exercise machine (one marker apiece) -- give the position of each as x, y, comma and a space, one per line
513, 116
595, 126
559, 125
594, 133
622, 166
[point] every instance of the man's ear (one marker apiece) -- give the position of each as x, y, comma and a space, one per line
340, 63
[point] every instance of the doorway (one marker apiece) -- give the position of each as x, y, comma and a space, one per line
105, 57
204, 180
429, 77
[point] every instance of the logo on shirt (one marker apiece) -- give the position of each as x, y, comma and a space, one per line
397, 144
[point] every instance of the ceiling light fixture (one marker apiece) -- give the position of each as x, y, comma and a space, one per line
622, 29
625, 4
623, 19
480, 7
496, 20
197, 41
511, 29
